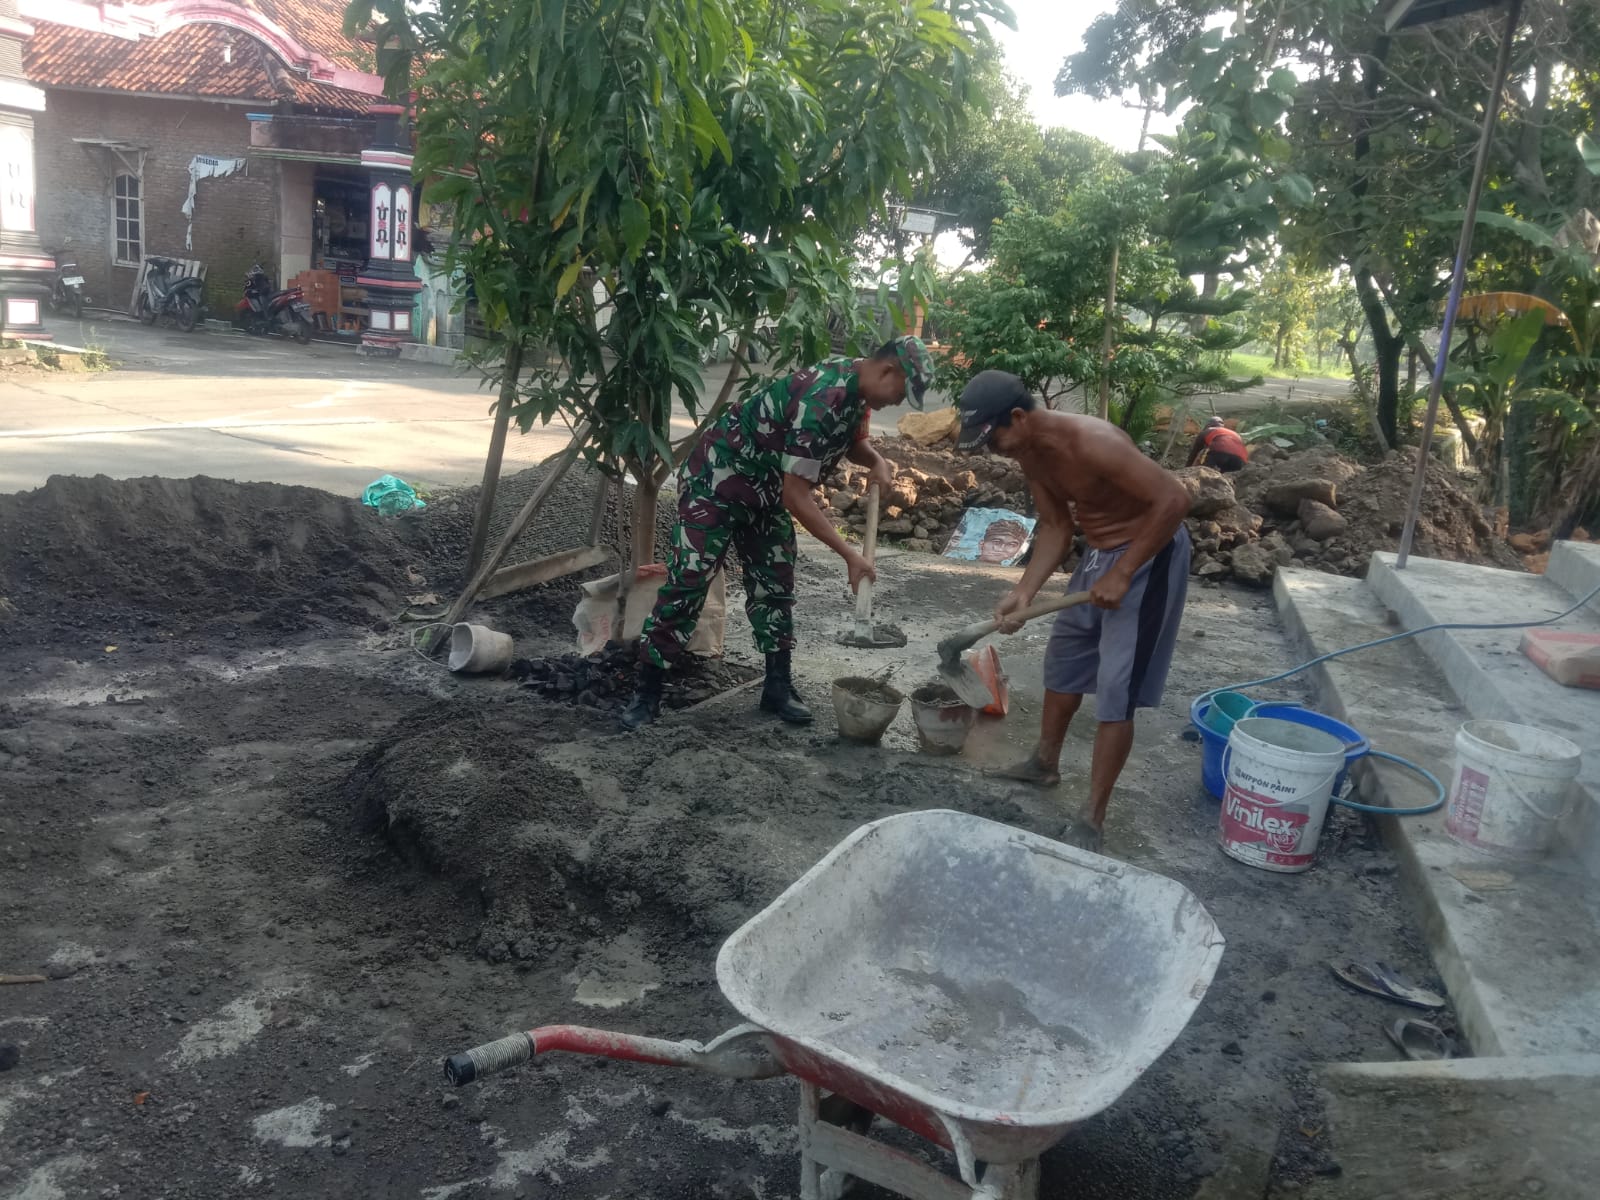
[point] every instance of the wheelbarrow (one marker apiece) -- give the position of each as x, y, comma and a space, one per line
981, 986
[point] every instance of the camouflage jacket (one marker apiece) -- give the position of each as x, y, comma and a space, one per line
800, 425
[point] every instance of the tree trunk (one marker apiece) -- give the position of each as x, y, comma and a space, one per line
511, 373
1208, 291
1386, 347
646, 494
1106, 336
1530, 163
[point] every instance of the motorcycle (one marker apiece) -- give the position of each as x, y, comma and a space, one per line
263, 310
66, 289
165, 297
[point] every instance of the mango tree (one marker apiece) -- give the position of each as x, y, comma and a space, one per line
637, 183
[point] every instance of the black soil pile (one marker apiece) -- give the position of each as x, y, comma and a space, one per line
111, 557
135, 561
605, 682
677, 831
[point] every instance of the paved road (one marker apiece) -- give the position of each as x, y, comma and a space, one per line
245, 408
237, 407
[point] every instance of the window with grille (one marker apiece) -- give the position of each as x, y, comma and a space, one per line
127, 221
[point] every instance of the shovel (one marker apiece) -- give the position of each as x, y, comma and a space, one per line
865, 634
959, 674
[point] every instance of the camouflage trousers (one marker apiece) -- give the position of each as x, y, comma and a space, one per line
706, 529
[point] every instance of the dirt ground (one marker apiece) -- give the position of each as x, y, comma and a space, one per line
276, 870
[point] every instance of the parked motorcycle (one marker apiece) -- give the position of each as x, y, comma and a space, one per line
66, 289
163, 296
263, 310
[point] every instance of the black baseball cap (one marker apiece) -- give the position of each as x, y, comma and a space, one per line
986, 403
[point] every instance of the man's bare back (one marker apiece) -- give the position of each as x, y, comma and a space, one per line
1092, 471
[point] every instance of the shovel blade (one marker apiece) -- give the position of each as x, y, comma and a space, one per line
968, 684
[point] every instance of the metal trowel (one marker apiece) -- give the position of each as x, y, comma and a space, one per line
958, 673
865, 634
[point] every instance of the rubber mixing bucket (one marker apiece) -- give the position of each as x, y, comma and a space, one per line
943, 721
478, 649
1279, 778
1511, 787
865, 707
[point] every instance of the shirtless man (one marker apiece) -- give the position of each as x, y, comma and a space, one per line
1087, 473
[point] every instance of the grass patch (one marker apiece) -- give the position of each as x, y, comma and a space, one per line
1241, 363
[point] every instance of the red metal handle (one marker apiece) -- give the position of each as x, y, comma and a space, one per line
741, 1053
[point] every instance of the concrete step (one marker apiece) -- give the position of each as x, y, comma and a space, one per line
1575, 568
1465, 1129
1489, 674
1516, 943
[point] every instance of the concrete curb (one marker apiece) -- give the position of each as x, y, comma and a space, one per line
439, 356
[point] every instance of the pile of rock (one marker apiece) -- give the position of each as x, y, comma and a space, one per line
932, 488
1322, 510
1312, 507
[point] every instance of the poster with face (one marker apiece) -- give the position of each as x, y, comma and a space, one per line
990, 535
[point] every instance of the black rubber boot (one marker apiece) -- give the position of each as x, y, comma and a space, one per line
778, 695
646, 703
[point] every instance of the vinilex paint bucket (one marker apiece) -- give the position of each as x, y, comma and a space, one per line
1278, 783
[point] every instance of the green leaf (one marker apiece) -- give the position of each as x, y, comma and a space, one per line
1283, 83
1511, 345
1526, 230
635, 219
1589, 151
1295, 190
569, 277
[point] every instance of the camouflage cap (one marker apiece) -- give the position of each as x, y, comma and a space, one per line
917, 364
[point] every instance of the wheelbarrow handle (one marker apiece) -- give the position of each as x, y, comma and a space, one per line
741, 1053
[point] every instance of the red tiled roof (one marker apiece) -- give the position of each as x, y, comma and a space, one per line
199, 59
316, 24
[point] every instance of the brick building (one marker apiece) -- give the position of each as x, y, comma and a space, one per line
228, 131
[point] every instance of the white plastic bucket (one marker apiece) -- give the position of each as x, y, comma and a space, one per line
478, 649
1511, 787
1278, 780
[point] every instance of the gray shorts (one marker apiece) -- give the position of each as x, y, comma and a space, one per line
1121, 657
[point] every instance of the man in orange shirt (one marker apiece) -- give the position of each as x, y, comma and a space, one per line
1220, 447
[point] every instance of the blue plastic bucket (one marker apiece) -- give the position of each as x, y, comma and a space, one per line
1212, 745
1355, 742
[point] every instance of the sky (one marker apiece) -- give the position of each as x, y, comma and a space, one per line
1047, 32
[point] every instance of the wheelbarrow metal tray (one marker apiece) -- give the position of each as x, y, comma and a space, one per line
945, 970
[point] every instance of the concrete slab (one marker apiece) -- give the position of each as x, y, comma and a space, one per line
1467, 1129
1488, 672
1574, 567
1514, 942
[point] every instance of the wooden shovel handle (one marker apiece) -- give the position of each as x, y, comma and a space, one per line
1042, 609
869, 542
869, 551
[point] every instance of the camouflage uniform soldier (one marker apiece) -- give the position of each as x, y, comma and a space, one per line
752, 469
